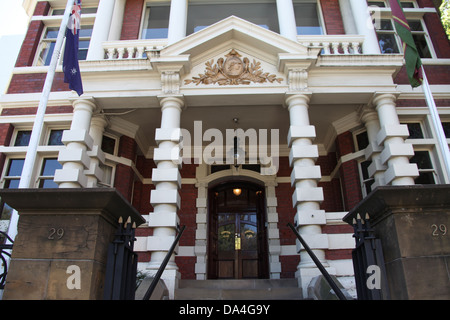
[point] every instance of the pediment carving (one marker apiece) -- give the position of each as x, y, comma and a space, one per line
233, 70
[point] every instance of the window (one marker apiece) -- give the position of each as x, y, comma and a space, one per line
307, 18
22, 138
55, 137
47, 45
446, 127
387, 38
425, 166
366, 180
362, 140
382, 4
60, 12
415, 130
109, 145
201, 16
13, 173
49, 166
156, 22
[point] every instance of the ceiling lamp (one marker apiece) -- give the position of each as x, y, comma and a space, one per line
237, 191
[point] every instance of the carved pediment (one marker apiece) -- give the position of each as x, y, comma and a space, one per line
233, 70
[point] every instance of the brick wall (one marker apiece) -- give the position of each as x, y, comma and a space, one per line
286, 212
349, 172
132, 19
32, 37
332, 16
32, 110
435, 75
34, 82
435, 30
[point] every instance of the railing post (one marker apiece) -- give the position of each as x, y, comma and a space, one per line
152, 287
319, 265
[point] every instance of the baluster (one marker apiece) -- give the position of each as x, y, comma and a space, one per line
335, 46
326, 48
130, 51
111, 53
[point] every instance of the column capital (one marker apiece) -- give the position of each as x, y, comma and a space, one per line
368, 114
292, 99
167, 101
85, 102
384, 98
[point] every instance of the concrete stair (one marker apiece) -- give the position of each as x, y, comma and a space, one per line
245, 289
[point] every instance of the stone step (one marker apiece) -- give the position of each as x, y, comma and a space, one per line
258, 289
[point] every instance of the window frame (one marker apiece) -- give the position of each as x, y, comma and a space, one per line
54, 21
412, 14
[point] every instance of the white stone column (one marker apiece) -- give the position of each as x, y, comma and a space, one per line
376, 169
165, 199
364, 26
95, 173
117, 20
74, 157
396, 152
273, 233
177, 20
286, 19
100, 32
307, 195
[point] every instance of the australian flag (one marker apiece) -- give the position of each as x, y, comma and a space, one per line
71, 68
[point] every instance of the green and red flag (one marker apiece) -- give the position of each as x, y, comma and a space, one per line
412, 58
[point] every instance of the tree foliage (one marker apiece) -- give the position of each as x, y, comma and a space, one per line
445, 16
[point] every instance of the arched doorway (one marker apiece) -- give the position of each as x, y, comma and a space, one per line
237, 233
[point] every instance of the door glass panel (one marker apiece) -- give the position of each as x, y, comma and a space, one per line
249, 237
226, 237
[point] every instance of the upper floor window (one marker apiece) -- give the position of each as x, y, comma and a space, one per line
389, 41
156, 22
201, 16
84, 10
47, 45
307, 18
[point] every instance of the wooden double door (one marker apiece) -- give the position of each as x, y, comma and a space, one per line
237, 237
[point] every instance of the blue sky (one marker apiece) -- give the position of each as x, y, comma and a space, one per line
13, 26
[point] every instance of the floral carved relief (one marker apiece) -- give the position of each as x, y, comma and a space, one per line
233, 71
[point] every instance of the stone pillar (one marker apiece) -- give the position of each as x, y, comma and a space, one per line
305, 176
95, 173
396, 152
286, 19
364, 26
100, 31
177, 20
61, 249
74, 157
376, 169
165, 199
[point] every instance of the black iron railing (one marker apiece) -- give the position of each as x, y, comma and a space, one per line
152, 287
4, 245
319, 265
121, 267
368, 261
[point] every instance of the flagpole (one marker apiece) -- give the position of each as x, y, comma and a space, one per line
30, 158
437, 124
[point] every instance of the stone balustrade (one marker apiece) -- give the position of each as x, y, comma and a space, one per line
139, 49
334, 44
